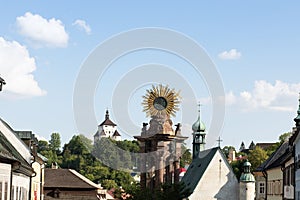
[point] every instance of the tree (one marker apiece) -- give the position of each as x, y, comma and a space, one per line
55, 142
42, 146
284, 137
226, 150
88, 143
256, 157
186, 156
237, 167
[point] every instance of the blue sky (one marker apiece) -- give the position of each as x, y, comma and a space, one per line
255, 47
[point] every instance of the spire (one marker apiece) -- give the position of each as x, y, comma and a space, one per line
107, 114
199, 126
198, 135
297, 119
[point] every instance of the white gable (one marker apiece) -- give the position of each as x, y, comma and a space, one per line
217, 182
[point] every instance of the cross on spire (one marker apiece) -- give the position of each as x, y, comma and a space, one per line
199, 107
219, 141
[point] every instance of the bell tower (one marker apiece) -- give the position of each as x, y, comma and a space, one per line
199, 135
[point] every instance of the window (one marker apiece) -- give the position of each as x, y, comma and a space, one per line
261, 188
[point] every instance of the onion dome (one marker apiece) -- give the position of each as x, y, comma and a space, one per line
198, 126
246, 175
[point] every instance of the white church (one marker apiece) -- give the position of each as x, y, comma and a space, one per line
107, 129
210, 176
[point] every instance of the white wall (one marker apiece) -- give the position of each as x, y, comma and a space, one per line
108, 130
274, 177
218, 182
20, 187
5, 171
247, 191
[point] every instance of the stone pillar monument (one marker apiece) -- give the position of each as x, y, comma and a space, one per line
160, 145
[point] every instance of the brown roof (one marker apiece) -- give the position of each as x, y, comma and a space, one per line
264, 146
67, 178
107, 121
116, 133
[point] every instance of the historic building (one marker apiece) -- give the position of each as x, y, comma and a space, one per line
107, 129
15, 165
38, 165
278, 175
210, 175
160, 144
247, 183
295, 169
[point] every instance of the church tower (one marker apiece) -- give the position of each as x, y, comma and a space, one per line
199, 135
247, 183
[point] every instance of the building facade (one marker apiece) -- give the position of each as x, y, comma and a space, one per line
15, 164
107, 129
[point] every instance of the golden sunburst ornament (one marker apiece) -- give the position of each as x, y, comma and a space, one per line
161, 100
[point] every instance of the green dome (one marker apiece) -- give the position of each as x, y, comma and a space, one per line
199, 126
247, 177
247, 164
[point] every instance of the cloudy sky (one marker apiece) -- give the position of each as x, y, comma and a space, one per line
254, 45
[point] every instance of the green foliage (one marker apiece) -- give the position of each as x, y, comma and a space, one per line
226, 150
43, 146
284, 137
186, 156
256, 157
166, 191
109, 184
237, 167
55, 142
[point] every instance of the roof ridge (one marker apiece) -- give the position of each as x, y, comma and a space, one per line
88, 181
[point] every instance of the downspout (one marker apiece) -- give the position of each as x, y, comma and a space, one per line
30, 180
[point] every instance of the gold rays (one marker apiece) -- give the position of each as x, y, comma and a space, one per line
161, 99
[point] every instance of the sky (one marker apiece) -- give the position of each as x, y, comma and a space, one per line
253, 45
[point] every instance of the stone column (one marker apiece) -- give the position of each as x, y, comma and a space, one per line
176, 171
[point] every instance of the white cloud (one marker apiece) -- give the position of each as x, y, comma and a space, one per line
232, 54
42, 32
82, 25
280, 96
16, 68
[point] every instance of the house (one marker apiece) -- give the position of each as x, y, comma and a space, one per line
295, 142
276, 175
15, 165
107, 129
38, 164
68, 184
210, 177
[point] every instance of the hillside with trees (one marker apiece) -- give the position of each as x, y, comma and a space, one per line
92, 161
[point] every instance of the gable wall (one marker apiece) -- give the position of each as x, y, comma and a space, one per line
218, 181
275, 184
